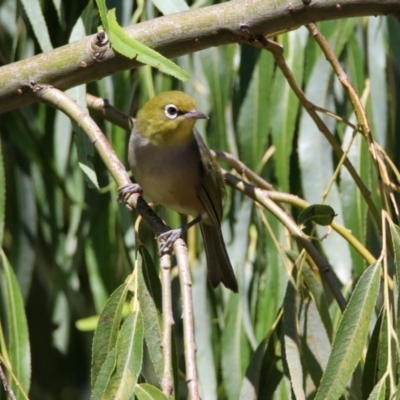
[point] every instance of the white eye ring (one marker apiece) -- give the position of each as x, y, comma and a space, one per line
171, 111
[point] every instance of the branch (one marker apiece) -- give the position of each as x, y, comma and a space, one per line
174, 35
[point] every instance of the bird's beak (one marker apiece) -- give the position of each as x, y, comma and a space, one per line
194, 114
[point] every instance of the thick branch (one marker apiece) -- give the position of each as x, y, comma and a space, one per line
90, 59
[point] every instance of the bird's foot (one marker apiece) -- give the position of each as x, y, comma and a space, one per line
167, 239
125, 191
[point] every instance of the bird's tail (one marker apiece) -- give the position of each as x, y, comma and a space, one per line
218, 263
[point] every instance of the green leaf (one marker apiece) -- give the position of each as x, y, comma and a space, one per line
235, 349
131, 48
149, 292
292, 341
395, 233
106, 333
101, 5
315, 344
38, 23
254, 113
379, 391
2, 196
285, 104
350, 337
16, 328
251, 382
104, 377
144, 391
129, 358
171, 6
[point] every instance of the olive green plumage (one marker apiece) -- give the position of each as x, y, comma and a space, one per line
174, 168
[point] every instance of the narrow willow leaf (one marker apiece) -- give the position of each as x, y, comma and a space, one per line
2, 196
171, 6
104, 376
315, 287
129, 358
285, 104
106, 333
292, 341
395, 233
379, 391
131, 48
144, 391
315, 344
235, 349
254, 113
101, 5
38, 23
149, 292
96, 283
218, 68
378, 75
16, 328
84, 147
251, 382
205, 360
58, 5
351, 335
271, 372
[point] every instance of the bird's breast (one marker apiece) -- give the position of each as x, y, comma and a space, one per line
168, 176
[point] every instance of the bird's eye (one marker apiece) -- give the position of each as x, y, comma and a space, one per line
171, 111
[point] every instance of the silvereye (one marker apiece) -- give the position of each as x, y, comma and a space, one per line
173, 166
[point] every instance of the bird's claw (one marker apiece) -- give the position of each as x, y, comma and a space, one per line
167, 240
125, 191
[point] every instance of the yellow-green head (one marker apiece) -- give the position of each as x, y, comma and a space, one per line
168, 118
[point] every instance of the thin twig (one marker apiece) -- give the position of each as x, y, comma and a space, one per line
168, 321
188, 327
7, 387
109, 112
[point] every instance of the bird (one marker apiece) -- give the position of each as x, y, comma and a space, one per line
174, 168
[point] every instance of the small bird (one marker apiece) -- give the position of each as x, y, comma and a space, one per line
174, 168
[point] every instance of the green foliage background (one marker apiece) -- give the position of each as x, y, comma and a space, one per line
71, 246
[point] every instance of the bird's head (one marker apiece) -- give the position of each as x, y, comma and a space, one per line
168, 118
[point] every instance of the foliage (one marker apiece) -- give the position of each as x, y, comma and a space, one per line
69, 250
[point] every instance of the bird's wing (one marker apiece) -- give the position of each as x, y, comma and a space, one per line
212, 187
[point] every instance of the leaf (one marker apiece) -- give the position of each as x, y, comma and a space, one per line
106, 333
350, 337
16, 327
131, 48
104, 377
144, 391
251, 382
235, 349
395, 233
149, 293
379, 391
285, 104
2, 196
101, 5
171, 6
38, 23
292, 341
255, 113
129, 358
